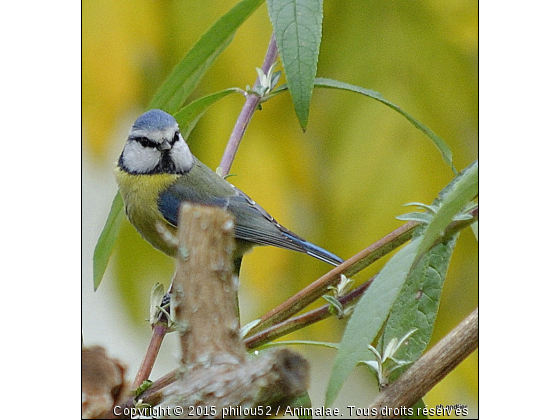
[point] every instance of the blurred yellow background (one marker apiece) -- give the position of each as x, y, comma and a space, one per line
340, 185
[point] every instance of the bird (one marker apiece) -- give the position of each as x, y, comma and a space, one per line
156, 172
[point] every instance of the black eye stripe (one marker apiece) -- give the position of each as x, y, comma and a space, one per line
145, 142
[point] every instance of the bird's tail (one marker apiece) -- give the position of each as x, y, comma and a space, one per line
321, 254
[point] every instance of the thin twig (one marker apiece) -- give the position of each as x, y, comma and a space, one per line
159, 331
252, 101
304, 320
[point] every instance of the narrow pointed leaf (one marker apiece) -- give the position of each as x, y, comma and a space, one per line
431, 209
107, 239
474, 228
187, 74
415, 216
438, 141
301, 342
297, 27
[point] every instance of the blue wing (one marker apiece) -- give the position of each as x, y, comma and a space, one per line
252, 223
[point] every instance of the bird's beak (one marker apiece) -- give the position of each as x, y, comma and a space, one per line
165, 145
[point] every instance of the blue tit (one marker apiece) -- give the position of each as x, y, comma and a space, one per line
156, 172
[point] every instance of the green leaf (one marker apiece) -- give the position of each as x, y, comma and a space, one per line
417, 305
453, 198
369, 315
186, 75
156, 298
409, 286
297, 27
438, 141
188, 117
107, 239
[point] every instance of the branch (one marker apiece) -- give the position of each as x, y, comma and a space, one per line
159, 331
204, 293
272, 381
431, 368
215, 370
304, 320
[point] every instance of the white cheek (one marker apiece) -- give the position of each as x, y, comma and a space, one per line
140, 159
181, 156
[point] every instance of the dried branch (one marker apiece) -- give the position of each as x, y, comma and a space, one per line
204, 296
216, 371
231, 391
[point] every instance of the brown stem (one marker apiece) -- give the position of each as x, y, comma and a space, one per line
298, 322
158, 333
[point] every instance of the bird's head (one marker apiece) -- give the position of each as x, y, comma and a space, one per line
155, 145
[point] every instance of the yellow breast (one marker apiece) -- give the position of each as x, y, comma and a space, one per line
140, 194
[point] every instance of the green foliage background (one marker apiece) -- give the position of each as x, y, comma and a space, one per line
341, 183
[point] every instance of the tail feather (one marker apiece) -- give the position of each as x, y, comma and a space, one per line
321, 254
